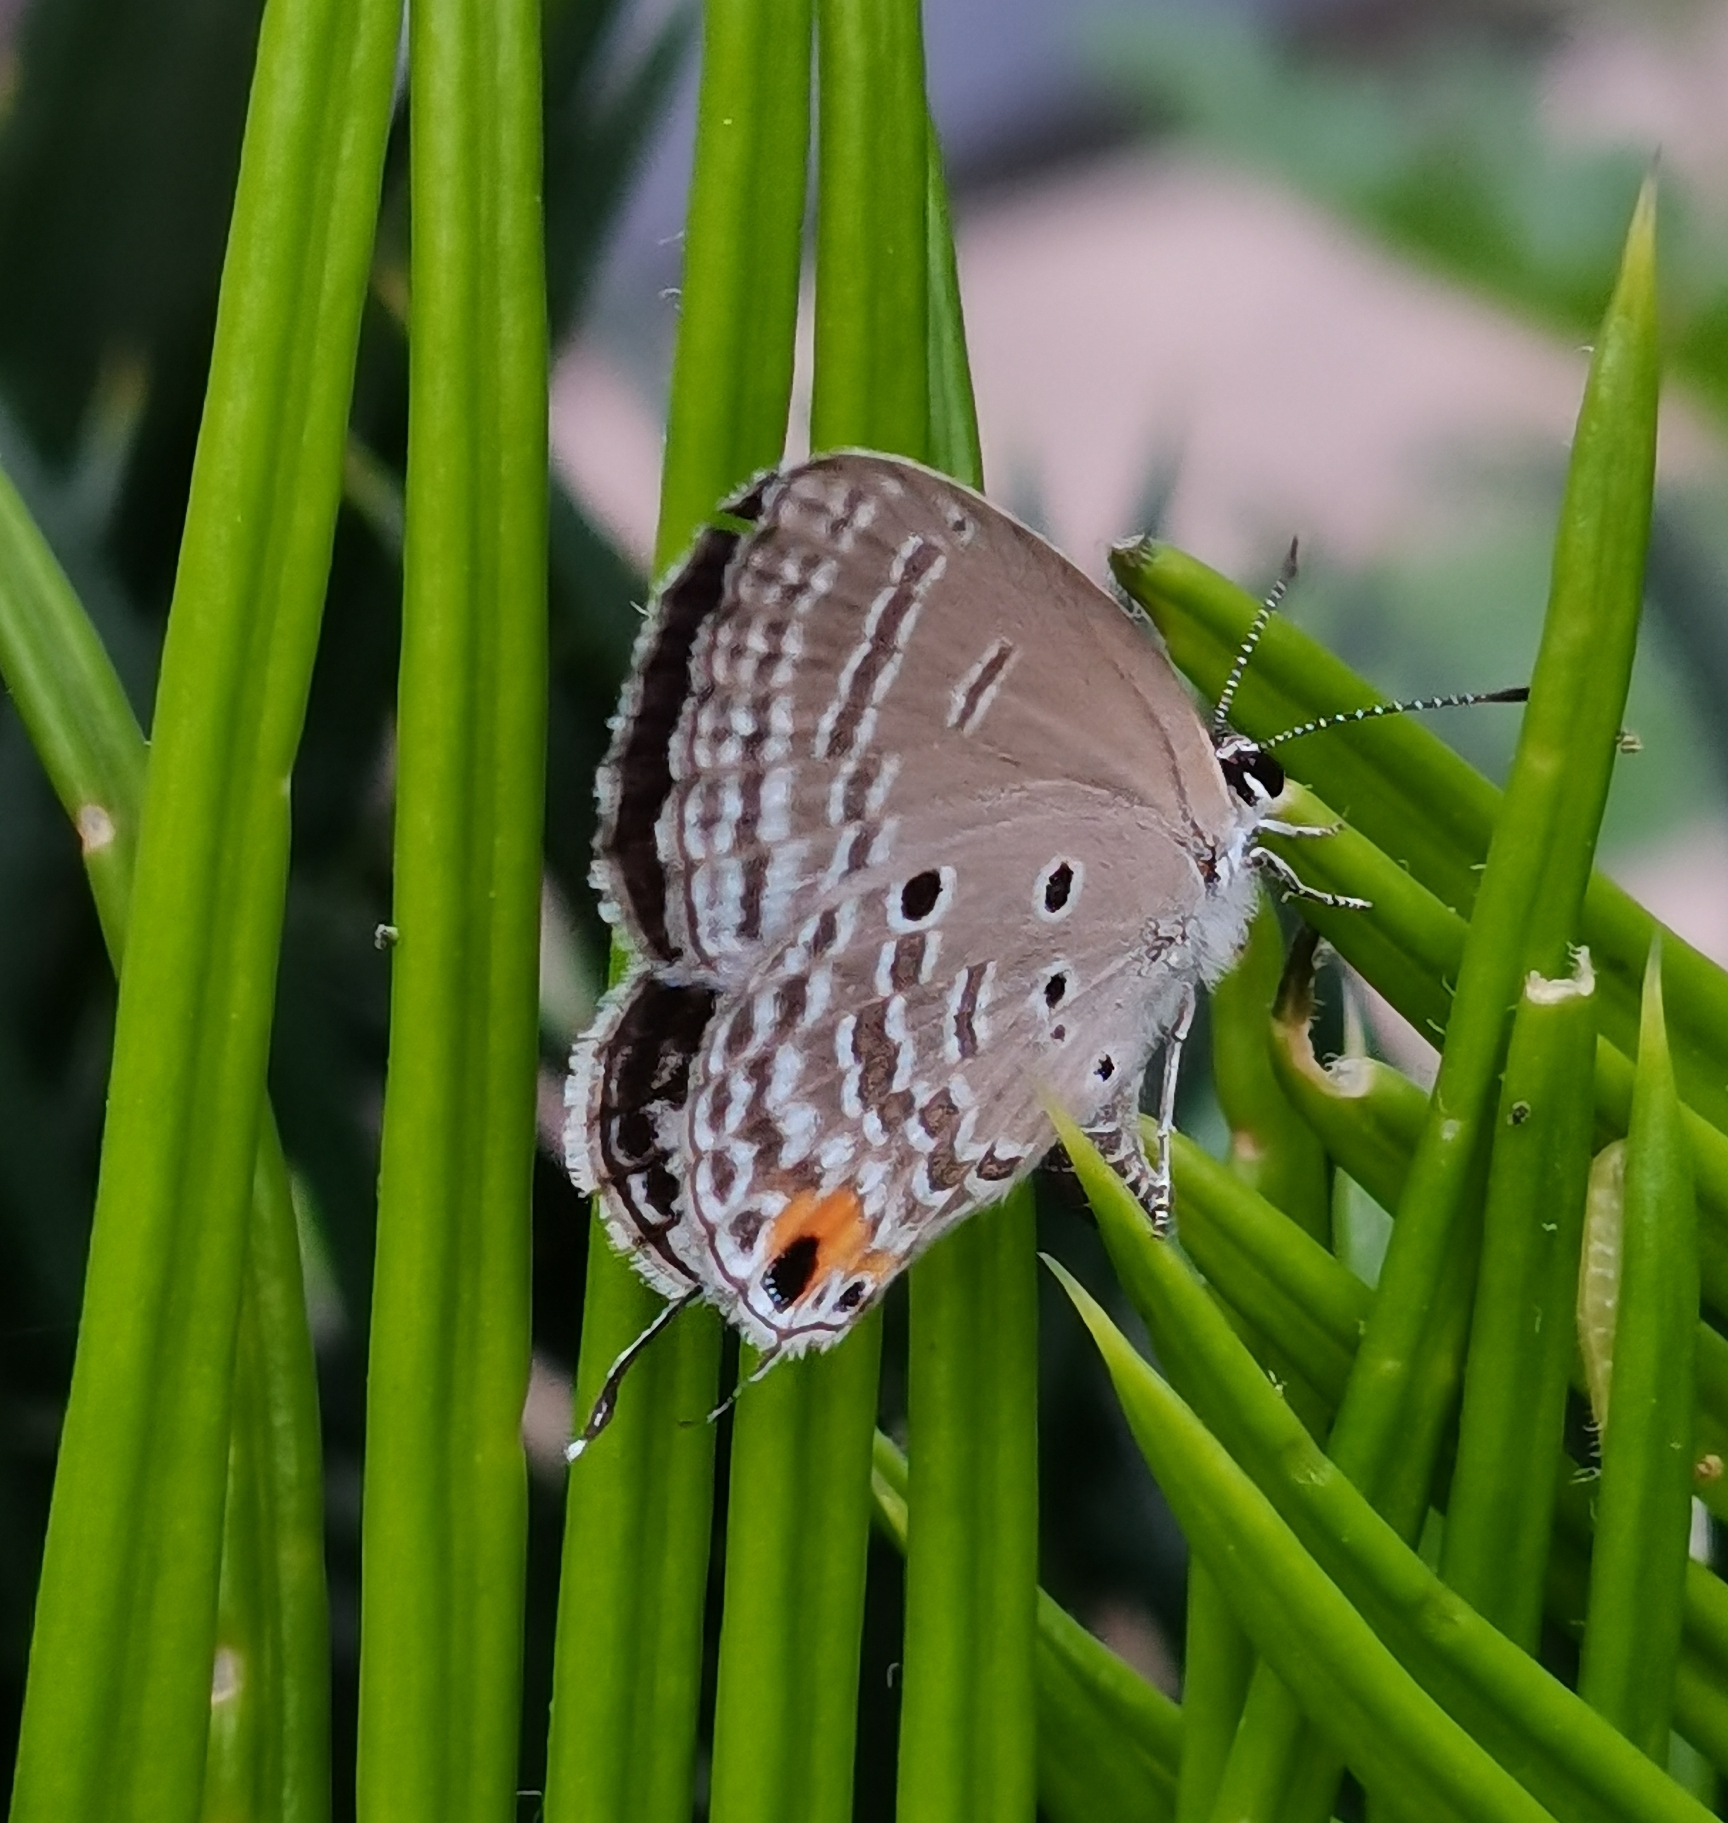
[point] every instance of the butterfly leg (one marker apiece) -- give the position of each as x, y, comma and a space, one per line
1160, 1208
1296, 887
1116, 1134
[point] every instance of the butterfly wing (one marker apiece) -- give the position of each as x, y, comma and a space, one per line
879, 641
919, 835
881, 1075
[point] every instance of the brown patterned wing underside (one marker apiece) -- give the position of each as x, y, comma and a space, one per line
882, 645
886, 1070
635, 778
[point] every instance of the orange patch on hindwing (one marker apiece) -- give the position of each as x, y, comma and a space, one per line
813, 1237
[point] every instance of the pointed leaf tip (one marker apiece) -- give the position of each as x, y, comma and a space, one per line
1638, 258
1652, 1025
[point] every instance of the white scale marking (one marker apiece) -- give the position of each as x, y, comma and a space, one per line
882, 842
873, 1176
927, 957
799, 1128
786, 864
819, 991
905, 1054
836, 1153
848, 526
774, 812
783, 1078
851, 1071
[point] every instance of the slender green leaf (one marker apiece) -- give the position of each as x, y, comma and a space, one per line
1526, 909
118, 1702
785, 1718
1273, 1149
967, 1718
1389, 1427
1501, 1505
272, 1622
1644, 1507
637, 1525
1305, 1286
1397, 1739
444, 1529
799, 1502
1410, 946
1271, 1146
1216, 1664
1108, 1742
738, 305
872, 372
74, 709
1536, 1728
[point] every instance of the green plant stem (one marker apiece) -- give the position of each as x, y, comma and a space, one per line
785, 1718
1216, 1666
1501, 1504
1563, 1754
118, 1701
272, 1611
799, 1501
444, 1518
967, 1718
1275, 1151
1306, 1286
1109, 1743
1397, 1738
1411, 946
1643, 1520
1527, 907
874, 273
1260, 1263
628, 1670
1271, 1146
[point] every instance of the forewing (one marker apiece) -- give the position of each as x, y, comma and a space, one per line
887, 644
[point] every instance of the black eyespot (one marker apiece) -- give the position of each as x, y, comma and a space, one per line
1106, 1068
1057, 887
852, 1296
788, 1278
919, 895
1255, 776
1058, 1032
1054, 989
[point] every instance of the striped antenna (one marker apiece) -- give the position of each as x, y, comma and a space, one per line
1519, 694
1269, 607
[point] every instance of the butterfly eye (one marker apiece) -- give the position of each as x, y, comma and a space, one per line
1254, 775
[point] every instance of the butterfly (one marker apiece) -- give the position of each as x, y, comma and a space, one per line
913, 832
